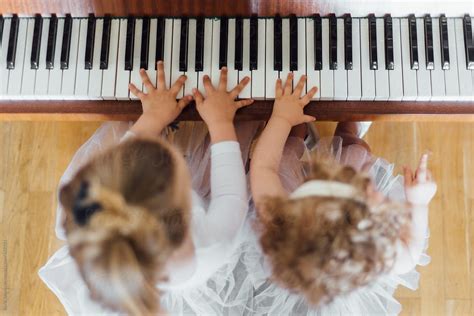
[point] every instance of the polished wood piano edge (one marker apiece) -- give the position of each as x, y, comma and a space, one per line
86, 110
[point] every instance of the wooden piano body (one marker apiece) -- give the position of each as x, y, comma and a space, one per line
330, 110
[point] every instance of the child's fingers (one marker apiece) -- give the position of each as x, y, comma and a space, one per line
288, 83
278, 88
197, 96
223, 79
408, 175
161, 82
308, 119
185, 101
300, 86
235, 92
146, 80
422, 169
207, 85
308, 96
241, 103
178, 85
135, 91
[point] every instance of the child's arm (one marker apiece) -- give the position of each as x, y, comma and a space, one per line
160, 107
419, 190
229, 201
287, 112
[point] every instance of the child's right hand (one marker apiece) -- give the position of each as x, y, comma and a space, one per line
419, 187
289, 105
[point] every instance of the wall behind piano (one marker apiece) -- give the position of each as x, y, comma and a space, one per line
238, 7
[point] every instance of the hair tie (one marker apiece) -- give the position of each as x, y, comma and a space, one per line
83, 211
325, 188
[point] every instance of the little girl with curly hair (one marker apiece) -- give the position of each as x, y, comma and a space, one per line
151, 228
335, 234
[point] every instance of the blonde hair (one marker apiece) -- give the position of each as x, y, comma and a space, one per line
123, 223
322, 247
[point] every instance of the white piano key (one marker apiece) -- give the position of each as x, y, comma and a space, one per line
232, 73
69, 75
215, 71
451, 75
410, 87
29, 75
396, 75
382, 88
423, 74
4, 72
110, 74
95, 78
123, 76
151, 71
82, 74
135, 73
207, 58
56, 74
191, 72
285, 46
42, 74
313, 76
301, 53
354, 87
327, 75
437, 74
174, 72
169, 50
15, 79
271, 75
465, 78
245, 72
258, 75
340, 74
367, 74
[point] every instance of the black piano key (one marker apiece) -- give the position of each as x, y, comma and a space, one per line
1, 29
239, 43
200, 29
293, 43
429, 43
35, 47
348, 42
160, 40
130, 43
183, 45
12, 41
253, 43
468, 42
90, 39
277, 44
51, 45
443, 32
105, 44
318, 42
145, 43
388, 30
413, 42
332, 41
66, 43
373, 42
223, 38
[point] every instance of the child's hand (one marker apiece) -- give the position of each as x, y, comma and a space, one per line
419, 188
160, 107
289, 105
219, 107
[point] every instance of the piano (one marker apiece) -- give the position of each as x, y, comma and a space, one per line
366, 66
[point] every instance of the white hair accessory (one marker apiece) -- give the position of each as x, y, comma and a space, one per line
325, 188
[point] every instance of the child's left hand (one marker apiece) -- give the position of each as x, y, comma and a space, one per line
419, 187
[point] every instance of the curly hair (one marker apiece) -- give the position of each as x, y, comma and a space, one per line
323, 247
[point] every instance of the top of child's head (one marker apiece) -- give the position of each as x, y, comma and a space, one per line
324, 245
127, 213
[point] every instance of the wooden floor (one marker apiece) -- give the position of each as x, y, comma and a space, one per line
33, 156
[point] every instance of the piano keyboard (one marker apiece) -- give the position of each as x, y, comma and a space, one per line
369, 58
